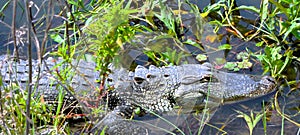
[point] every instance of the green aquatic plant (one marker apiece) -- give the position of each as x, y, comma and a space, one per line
274, 61
13, 106
107, 33
250, 120
243, 64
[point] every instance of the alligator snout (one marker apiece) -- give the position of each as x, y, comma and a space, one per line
268, 83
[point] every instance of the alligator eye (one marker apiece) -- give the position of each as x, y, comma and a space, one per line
138, 80
205, 79
166, 75
209, 78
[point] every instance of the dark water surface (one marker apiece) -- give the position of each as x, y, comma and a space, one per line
39, 11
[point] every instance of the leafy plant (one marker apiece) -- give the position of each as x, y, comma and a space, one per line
250, 120
201, 57
291, 25
167, 16
14, 106
244, 64
274, 61
109, 31
168, 57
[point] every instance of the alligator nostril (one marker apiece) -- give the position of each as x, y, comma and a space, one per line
271, 80
138, 80
109, 79
148, 76
268, 79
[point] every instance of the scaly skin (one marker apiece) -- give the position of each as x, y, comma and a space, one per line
82, 73
159, 89
154, 89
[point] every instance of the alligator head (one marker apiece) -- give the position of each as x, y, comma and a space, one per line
159, 89
202, 82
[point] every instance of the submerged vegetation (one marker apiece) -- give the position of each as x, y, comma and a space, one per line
104, 32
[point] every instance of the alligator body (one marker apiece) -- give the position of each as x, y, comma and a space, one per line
158, 90
81, 79
153, 89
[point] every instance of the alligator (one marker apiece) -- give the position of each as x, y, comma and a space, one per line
158, 90
82, 78
155, 90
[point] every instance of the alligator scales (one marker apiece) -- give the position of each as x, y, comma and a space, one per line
159, 89
155, 89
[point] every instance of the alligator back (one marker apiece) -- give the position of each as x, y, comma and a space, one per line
79, 86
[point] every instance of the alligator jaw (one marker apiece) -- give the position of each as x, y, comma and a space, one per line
194, 99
